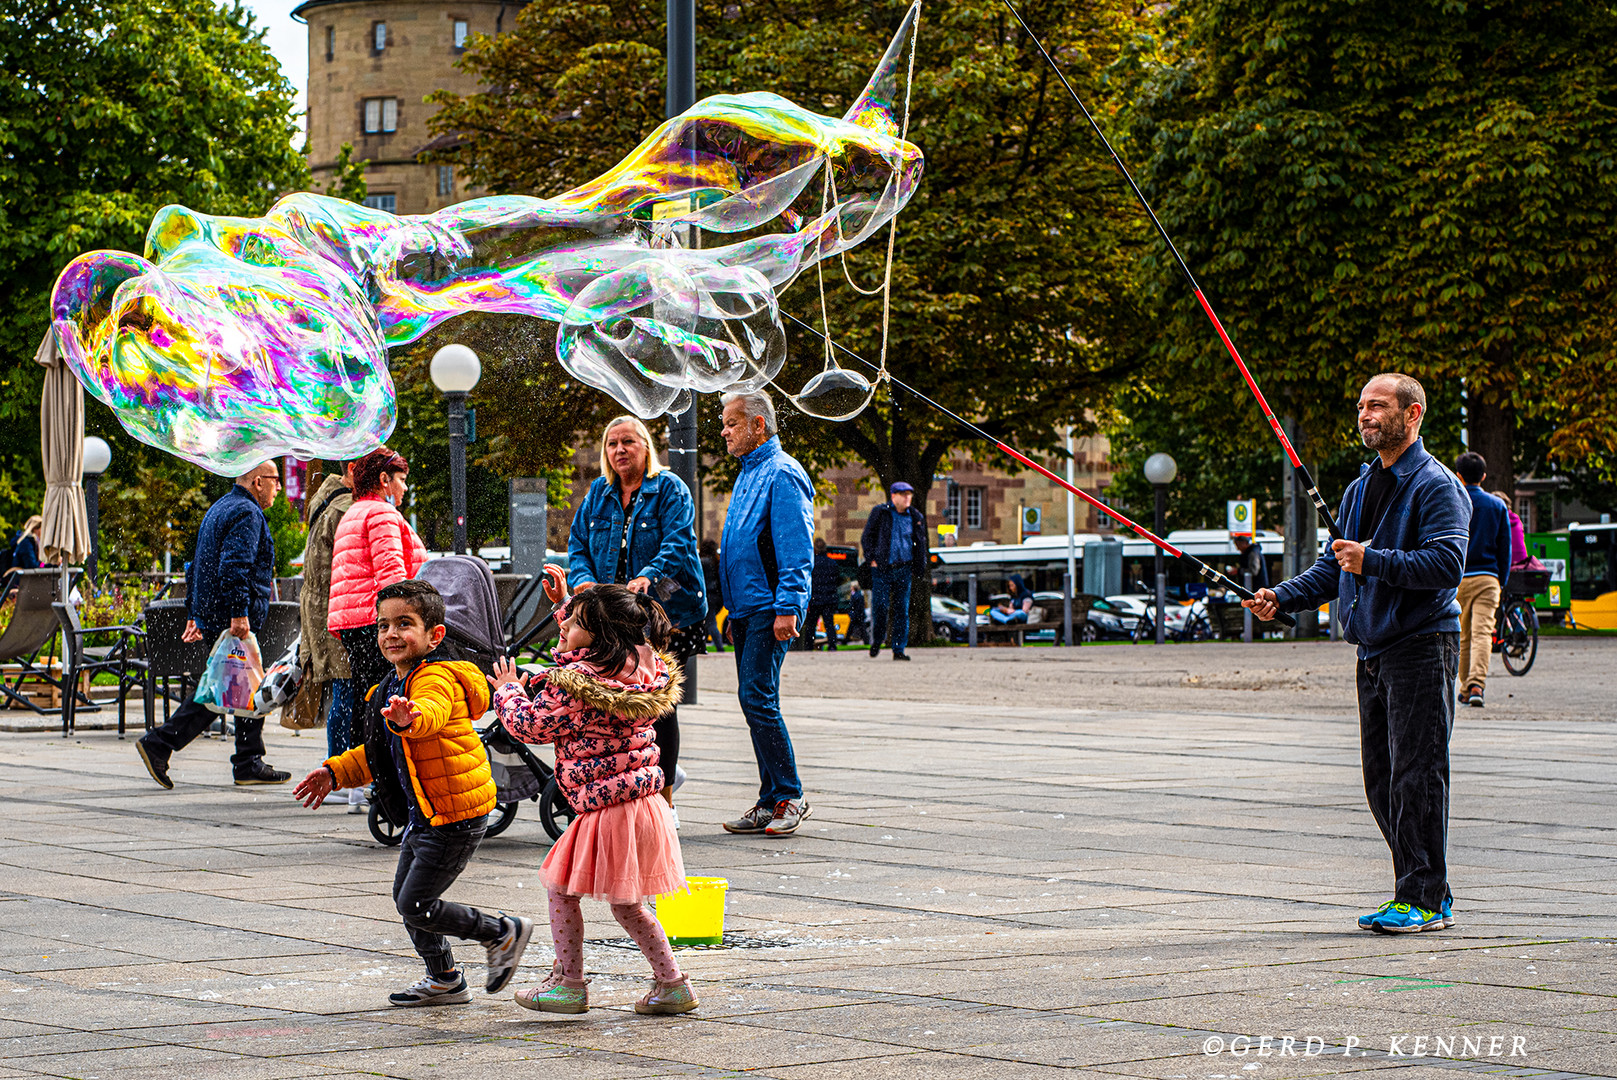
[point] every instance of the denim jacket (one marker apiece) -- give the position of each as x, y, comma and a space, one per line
771, 514
1412, 562
662, 543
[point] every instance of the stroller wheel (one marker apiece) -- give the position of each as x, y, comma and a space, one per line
554, 810
501, 819
384, 830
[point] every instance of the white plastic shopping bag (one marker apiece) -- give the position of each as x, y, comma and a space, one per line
233, 672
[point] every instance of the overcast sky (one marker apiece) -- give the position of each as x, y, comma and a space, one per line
288, 39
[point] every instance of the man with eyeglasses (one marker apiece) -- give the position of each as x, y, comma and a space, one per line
228, 585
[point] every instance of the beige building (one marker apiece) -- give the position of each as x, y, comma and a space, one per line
371, 65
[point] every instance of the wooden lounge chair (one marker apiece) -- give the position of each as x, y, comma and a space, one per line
33, 627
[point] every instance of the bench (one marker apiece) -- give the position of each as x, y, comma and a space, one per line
1038, 620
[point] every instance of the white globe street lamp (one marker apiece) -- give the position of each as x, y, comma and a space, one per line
1160, 469
455, 370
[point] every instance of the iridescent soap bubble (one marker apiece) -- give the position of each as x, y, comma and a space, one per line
235, 340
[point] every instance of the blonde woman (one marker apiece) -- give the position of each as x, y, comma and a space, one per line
637, 527
25, 556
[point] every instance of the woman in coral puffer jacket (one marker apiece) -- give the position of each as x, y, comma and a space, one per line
374, 547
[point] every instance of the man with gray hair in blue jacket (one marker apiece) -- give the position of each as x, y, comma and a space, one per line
766, 556
1396, 579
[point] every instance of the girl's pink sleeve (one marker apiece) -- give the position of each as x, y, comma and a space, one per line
537, 720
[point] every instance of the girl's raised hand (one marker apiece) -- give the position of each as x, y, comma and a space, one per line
555, 584
506, 674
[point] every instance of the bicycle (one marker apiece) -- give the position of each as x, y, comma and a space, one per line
1515, 633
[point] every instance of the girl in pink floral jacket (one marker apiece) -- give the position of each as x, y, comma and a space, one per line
598, 707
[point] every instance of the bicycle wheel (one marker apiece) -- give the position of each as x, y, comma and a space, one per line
1196, 629
501, 819
1518, 633
554, 810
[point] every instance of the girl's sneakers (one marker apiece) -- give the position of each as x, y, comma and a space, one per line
433, 991
668, 999
557, 994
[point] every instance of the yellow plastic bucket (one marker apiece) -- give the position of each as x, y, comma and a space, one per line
696, 915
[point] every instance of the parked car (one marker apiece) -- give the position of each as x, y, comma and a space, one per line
949, 618
1105, 621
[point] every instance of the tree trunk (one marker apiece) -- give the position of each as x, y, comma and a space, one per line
1492, 430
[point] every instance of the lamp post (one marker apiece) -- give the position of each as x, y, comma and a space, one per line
455, 370
1160, 469
97, 456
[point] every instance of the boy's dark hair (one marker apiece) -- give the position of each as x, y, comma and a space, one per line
620, 621
1471, 467
423, 599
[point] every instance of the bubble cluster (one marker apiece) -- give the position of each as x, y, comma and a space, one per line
235, 340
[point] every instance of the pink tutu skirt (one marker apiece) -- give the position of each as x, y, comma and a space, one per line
622, 854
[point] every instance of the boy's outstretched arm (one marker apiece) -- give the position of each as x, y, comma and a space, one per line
314, 788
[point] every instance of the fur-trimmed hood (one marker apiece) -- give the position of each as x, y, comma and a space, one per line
641, 692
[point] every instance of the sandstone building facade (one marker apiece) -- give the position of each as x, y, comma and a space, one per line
371, 65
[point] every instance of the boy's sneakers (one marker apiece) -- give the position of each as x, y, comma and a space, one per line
505, 952
433, 991
156, 763
789, 814
260, 773
755, 820
1406, 919
668, 999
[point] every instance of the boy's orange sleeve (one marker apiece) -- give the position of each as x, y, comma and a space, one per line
433, 691
350, 768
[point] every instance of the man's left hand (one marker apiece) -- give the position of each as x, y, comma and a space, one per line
1349, 556
785, 627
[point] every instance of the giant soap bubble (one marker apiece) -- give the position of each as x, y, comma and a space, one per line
235, 340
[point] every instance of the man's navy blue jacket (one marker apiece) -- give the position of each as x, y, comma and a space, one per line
766, 554
232, 572
1489, 550
662, 542
1412, 561
877, 539
827, 576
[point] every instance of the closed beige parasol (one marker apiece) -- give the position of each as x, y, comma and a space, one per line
61, 437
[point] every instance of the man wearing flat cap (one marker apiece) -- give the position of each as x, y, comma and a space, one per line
895, 549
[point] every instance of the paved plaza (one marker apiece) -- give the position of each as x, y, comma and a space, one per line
1124, 861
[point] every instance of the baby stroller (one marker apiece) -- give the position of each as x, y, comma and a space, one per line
472, 618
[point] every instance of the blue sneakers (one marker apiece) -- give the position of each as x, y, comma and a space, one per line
1366, 920
1406, 919
1447, 912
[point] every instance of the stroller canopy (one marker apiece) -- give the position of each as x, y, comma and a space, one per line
471, 607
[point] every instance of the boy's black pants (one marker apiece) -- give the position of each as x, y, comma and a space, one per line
1406, 715
430, 859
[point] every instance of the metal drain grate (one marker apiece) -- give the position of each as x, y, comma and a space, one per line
731, 941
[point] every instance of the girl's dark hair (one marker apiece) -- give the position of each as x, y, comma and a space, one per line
369, 469
620, 621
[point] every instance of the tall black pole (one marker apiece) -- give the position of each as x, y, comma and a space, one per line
92, 509
681, 95
1162, 572
457, 467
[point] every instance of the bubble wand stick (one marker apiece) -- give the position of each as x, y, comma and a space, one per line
1285, 443
1207, 573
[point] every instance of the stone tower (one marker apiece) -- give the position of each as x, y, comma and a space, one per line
371, 64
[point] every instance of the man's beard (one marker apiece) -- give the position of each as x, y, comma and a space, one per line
1390, 432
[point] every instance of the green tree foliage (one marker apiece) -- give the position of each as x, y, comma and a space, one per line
1427, 186
287, 530
348, 176
1010, 299
110, 109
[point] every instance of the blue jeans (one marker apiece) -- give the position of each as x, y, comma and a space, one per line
758, 660
891, 584
345, 700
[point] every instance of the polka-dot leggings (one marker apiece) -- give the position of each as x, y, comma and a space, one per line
567, 933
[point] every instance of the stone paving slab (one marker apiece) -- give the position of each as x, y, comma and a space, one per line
1023, 863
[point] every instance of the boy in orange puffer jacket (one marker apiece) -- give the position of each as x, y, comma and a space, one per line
423, 752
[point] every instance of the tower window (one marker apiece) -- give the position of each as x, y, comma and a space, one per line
331, 43
378, 36
388, 202
446, 179
381, 115
462, 31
